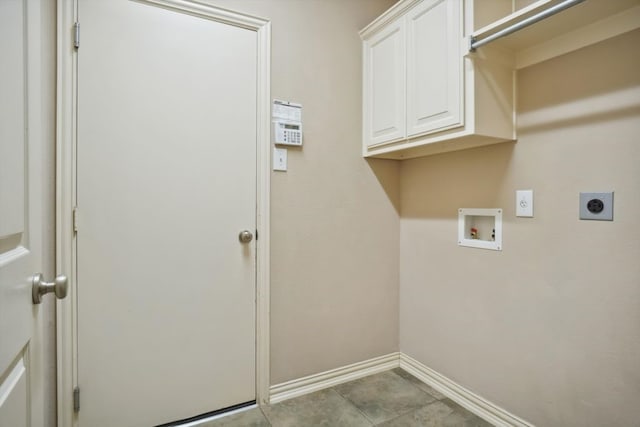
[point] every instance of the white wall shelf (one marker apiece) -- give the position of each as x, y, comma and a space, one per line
480, 228
583, 24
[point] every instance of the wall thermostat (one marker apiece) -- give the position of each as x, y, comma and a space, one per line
287, 123
288, 133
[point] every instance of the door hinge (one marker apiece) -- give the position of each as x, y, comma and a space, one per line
76, 399
75, 219
256, 235
76, 35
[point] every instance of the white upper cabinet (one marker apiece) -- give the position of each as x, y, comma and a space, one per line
422, 93
434, 66
426, 92
384, 82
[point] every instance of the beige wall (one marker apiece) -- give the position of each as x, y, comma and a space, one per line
334, 228
549, 328
335, 238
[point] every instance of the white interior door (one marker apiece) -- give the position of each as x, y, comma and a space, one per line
22, 213
166, 181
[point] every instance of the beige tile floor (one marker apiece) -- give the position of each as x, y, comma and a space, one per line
391, 398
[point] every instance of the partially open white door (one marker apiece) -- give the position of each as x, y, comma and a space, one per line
22, 211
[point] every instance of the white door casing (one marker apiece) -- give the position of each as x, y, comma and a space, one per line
194, 17
25, 118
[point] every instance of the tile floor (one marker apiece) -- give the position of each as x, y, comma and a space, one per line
391, 398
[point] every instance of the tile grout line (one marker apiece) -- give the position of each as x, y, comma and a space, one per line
353, 405
405, 380
462, 411
407, 413
417, 386
414, 385
265, 416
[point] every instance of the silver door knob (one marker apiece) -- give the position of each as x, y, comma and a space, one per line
245, 236
60, 287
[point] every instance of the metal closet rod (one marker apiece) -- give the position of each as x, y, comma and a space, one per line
524, 23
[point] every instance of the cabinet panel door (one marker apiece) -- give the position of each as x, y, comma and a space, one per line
384, 85
434, 73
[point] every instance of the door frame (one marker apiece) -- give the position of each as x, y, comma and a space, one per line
66, 174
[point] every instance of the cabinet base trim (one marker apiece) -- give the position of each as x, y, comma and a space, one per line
411, 151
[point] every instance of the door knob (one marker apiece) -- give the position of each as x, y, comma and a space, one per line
60, 287
245, 236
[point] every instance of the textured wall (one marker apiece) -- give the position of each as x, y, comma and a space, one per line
334, 226
549, 328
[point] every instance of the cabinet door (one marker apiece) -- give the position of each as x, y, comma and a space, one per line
434, 66
384, 85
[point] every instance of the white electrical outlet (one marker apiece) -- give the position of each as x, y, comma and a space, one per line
524, 203
279, 159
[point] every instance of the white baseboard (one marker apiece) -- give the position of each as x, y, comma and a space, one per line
466, 398
301, 386
454, 391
